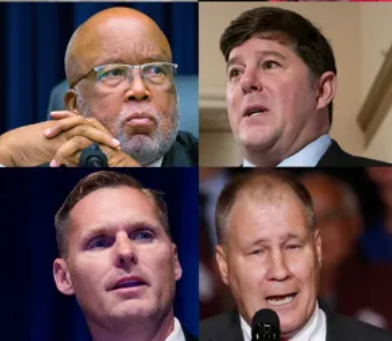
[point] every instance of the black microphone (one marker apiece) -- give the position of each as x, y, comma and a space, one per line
93, 156
265, 326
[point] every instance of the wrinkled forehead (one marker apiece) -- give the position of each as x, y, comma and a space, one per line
119, 39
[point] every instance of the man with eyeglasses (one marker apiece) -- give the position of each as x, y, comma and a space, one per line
122, 97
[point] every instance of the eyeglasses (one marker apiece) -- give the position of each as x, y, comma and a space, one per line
115, 75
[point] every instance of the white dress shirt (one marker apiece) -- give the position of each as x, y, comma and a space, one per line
177, 334
157, 163
314, 330
308, 156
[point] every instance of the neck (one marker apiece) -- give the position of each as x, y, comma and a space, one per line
271, 156
135, 329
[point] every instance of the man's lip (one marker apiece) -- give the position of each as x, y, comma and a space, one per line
128, 282
281, 295
139, 116
252, 108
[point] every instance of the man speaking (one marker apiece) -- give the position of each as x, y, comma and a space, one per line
117, 257
269, 254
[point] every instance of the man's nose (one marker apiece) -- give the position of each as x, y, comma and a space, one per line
137, 89
251, 81
125, 252
278, 269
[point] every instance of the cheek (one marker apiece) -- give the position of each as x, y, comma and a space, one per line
163, 99
247, 276
87, 274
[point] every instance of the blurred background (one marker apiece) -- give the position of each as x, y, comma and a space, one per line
360, 35
354, 214
32, 308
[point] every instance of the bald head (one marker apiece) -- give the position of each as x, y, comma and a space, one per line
115, 35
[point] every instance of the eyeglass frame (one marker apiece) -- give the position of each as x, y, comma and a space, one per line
129, 66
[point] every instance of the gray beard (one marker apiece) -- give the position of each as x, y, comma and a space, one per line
145, 149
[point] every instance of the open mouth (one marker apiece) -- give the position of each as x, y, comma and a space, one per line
129, 283
281, 299
255, 111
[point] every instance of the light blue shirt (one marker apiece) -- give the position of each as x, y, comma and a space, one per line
308, 156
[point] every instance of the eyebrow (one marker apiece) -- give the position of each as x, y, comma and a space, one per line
109, 227
286, 238
259, 54
150, 59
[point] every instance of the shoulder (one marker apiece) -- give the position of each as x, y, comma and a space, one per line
184, 152
220, 327
335, 156
344, 328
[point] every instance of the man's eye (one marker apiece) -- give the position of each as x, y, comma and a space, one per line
270, 64
234, 73
99, 242
257, 252
156, 71
112, 73
293, 247
142, 235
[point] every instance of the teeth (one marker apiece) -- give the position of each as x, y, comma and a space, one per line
280, 301
255, 113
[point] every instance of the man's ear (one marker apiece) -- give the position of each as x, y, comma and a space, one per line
326, 88
62, 277
221, 259
177, 265
318, 245
70, 101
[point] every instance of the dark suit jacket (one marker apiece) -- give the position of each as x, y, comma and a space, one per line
336, 157
183, 153
189, 337
226, 327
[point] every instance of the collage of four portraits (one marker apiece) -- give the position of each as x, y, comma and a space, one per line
183, 170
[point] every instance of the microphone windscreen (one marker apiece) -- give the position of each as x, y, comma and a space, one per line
266, 316
265, 325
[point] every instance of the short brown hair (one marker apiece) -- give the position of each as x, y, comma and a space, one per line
94, 182
265, 184
286, 27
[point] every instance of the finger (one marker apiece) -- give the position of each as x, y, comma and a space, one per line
95, 123
93, 135
68, 154
59, 114
64, 125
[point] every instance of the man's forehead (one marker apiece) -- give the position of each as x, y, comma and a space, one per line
261, 47
125, 37
257, 203
88, 212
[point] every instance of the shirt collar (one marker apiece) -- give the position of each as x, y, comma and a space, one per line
157, 163
308, 156
177, 334
314, 330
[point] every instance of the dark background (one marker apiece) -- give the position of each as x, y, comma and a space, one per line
31, 307
34, 37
